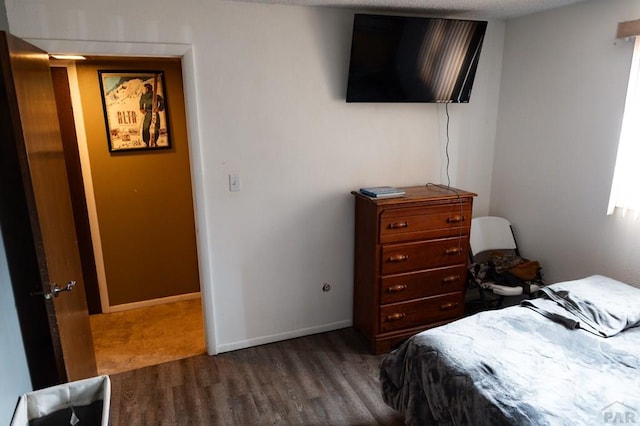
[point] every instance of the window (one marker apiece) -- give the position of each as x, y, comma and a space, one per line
625, 190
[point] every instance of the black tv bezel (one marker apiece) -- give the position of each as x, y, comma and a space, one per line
470, 65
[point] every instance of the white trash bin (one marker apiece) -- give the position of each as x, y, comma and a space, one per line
71, 402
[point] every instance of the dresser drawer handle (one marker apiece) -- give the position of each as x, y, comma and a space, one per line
396, 288
455, 219
397, 316
398, 225
398, 258
450, 279
448, 306
453, 250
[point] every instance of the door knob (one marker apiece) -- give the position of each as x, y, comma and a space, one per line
55, 290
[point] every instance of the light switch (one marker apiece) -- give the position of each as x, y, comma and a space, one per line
234, 182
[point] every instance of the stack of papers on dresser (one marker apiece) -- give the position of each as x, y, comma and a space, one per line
382, 192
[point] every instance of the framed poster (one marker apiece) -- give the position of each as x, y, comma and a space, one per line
135, 109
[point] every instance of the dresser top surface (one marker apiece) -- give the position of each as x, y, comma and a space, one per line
429, 192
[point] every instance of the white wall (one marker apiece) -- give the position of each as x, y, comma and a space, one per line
562, 97
14, 373
269, 83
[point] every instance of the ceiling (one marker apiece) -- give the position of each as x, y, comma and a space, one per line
475, 9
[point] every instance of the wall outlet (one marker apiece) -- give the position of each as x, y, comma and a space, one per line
234, 182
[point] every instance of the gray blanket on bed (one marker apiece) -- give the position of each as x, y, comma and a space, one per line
518, 367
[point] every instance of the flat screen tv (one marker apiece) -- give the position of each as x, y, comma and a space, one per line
412, 59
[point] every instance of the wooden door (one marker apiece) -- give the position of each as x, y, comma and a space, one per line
36, 219
62, 93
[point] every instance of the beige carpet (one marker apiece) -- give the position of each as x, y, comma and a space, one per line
128, 340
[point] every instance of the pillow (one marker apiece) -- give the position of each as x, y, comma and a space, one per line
602, 305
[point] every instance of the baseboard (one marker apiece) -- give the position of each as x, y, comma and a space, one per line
243, 344
153, 302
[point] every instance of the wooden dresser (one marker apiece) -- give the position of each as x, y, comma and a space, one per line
410, 262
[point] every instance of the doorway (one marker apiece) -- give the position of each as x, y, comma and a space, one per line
139, 257
151, 335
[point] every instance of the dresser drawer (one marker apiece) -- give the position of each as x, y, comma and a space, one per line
399, 258
414, 223
423, 311
417, 285
410, 265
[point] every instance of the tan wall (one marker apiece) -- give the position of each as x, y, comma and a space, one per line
143, 198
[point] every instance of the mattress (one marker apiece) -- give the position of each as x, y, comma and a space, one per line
569, 357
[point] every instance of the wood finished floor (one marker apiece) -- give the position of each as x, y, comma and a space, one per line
147, 336
324, 379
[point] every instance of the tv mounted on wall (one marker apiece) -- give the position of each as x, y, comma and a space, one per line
412, 59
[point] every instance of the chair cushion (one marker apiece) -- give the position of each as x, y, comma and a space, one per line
504, 290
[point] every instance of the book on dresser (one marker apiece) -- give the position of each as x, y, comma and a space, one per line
382, 192
410, 269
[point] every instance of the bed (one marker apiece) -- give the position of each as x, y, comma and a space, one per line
571, 356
